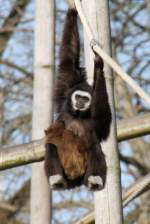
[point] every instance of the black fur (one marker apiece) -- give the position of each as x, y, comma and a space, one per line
51, 156
95, 122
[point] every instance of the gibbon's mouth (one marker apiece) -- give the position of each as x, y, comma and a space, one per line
80, 108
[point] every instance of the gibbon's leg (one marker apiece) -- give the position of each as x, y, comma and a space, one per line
96, 172
100, 110
53, 168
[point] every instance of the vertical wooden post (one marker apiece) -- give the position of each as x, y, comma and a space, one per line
42, 103
108, 208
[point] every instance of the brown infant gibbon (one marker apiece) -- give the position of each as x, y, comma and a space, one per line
73, 151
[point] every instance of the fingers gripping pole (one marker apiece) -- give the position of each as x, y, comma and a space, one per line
96, 47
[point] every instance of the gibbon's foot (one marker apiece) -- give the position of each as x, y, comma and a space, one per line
57, 182
95, 183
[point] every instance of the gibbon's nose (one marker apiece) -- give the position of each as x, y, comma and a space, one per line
80, 104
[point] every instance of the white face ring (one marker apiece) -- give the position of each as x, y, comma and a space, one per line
81, 93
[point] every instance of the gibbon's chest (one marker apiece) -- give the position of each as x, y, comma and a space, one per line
82, 128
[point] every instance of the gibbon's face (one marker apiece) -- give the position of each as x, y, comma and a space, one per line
81, 100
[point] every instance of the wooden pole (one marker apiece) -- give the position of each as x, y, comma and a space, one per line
108, 208
42, 103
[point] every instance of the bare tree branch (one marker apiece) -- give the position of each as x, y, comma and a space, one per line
12, 21
20, 69
143, 169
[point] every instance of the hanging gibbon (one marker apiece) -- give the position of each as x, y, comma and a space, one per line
73, 151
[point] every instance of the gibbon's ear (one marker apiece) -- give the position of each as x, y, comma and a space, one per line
71, 4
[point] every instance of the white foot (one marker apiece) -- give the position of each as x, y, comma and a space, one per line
95, 183
57, 182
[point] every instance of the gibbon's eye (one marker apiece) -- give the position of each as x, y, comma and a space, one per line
77, 96
85, 98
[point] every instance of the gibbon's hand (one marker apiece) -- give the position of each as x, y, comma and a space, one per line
71, 4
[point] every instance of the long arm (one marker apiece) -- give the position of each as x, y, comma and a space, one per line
101, 113
69, 73
70, 46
